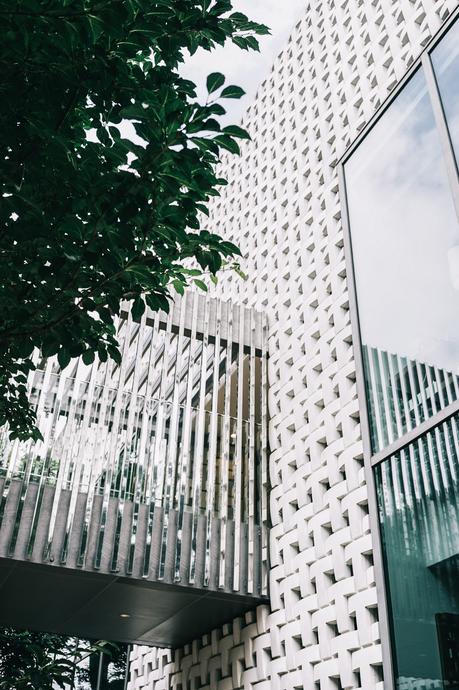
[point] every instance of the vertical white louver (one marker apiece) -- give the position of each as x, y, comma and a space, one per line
155, 468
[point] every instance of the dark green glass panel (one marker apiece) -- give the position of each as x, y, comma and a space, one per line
418, 496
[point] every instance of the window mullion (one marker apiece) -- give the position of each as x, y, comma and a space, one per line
442, 128
429, 424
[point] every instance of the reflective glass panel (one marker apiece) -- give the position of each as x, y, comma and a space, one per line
405, 240
419, 511
445, 60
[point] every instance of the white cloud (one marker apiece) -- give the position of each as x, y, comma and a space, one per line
405, 236
247, 68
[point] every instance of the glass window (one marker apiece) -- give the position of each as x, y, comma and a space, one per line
419, 512
445, 61
405, 242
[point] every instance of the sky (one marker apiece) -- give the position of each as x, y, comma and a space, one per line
247, 68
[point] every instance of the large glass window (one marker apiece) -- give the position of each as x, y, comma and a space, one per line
405, 242
404, 232
445, 60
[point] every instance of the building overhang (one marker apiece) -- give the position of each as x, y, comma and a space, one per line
141, 516
94, 605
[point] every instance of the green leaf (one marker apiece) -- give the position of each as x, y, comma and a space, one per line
241, 42
253, 43
215, 81
227, 143
236, 131
216, 109
157, 302
239, 17
200, 284
178, 286
229, 248
63, 357
50, 346
88, 357
237, 269
232, 92
138, 308
24, 347
191, 271
102, 352
114, 353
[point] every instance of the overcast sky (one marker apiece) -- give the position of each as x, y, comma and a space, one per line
248, 69
245, 68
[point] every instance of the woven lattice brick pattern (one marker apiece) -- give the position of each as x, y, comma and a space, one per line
283, 207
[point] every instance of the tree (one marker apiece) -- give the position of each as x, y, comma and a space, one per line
88, 222
113, 671
40, 661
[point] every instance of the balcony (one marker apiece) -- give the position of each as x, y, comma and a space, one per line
142, 515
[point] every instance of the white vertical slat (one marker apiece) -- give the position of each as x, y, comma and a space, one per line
196, 419
238, 461
213, 432
173, 450
183, 362
131, 431
263, 489
251, 440
83, 454
150, 467
136, 347
145, 488
225, 443
114, 440
175, 408
185, 455
47, 450
170, 410
93, 467
197, 475
67, 444
160, 444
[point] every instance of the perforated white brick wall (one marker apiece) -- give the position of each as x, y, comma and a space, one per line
282, 206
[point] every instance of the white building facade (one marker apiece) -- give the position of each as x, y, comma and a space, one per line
363, 495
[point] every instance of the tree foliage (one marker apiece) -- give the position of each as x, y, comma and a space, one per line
113, 670
42, 661
88, 222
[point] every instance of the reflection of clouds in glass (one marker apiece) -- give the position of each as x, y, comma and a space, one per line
403, 228
445, 60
